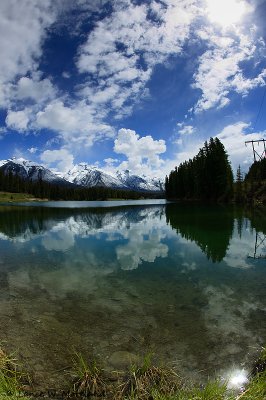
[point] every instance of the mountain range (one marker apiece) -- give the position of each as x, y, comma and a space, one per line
82, 175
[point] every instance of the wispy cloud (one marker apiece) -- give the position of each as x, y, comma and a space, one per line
23, 28
120, 53
220, 72
185, 129
115, 62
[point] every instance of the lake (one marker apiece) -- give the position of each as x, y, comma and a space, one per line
184, 282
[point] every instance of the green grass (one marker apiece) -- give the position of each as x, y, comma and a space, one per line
212, 391
143, 382
10, 379
89, 380
256, 390
10, 197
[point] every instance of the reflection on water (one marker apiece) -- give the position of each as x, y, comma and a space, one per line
209, 228
178, 281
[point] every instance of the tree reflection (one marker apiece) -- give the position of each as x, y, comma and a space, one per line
210, 227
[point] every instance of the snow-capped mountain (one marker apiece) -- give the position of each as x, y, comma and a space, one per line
82, 175
137, 182
26, 169
87, 176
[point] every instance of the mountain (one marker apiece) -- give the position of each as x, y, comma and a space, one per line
82, 175
30, 171
87, 176
136, 182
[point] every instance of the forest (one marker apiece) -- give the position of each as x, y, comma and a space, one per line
44, 190
209, 177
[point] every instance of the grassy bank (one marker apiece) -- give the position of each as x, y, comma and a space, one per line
13, 197
143, 382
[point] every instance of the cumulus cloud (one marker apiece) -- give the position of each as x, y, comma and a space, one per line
139, 249
17, 120
35, 89
142, 153
77, 124
58, 239
61, 159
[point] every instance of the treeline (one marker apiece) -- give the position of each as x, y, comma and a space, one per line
208, 176
252, 187
44, 190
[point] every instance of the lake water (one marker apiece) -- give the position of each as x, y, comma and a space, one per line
186, 283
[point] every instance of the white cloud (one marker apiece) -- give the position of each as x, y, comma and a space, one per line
143, 245
121, 51
17, 120
32, 150
23, 26
110, 161
220, 71
233, 138
58, 239
117, 59
66, 75
244, 85
35, 89
62, 159
77, 124
142, 152
185, 129
228, 12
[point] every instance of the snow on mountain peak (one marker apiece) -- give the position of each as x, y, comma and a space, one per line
88, 176
84, 175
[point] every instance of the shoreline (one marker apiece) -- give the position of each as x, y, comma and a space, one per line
142, 380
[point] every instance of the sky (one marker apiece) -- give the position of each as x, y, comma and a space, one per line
131, 84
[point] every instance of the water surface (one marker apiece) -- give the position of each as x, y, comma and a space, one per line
186, 283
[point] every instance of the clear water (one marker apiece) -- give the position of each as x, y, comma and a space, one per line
186, 283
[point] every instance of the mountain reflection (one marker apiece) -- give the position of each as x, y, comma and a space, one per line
132, 233
135, 233
211, 228
17, 222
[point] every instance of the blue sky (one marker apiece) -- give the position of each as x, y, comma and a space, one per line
130, 84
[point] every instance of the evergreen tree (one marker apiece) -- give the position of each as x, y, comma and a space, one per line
208, 176
239, 186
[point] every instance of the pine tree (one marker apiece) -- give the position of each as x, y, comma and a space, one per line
207, 176
239, 186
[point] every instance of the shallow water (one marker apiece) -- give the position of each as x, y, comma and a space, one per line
186, 283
